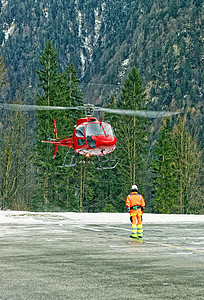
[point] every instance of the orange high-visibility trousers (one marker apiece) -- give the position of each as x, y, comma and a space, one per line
135, 204
136, 221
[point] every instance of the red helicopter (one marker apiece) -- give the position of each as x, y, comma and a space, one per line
90, 137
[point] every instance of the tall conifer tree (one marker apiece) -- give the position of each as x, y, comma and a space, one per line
164, 167
189, 168
132, 134
4, 83
55, 184
49, 79
178, 169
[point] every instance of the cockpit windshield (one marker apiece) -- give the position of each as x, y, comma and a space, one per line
80, 131
108, 129
97, 129
94, 129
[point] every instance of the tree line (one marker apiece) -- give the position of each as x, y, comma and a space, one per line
167, 165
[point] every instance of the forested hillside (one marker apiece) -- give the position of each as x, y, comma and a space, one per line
105, 40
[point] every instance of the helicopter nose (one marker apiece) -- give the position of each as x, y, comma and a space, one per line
107, 141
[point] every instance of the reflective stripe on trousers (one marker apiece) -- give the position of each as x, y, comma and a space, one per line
140, 231
134, 230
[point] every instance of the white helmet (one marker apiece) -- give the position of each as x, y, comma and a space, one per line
134, 188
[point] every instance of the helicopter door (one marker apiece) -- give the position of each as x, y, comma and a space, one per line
79, 134
93, 129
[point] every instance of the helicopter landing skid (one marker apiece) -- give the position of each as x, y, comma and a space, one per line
73, 162
104, 164
107, 164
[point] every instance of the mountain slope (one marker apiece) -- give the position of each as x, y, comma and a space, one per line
104, 40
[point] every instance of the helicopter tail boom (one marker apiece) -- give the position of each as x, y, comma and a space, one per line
64, 143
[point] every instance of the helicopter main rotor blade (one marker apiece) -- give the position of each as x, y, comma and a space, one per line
92, 108
17, 107
138, 113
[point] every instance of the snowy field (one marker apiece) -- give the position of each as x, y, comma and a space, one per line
22, 217
86, 256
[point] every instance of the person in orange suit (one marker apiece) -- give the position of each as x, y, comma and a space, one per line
135, 205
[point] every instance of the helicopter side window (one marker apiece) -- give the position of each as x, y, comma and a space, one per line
80, 131
108, 129
81, 142
94, 129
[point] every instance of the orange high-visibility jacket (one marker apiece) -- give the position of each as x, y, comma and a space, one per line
135, 201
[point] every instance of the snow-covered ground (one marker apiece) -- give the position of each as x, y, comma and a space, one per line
91, 256
23, 217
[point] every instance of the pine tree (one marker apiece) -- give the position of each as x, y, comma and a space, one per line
178, 170
189, 169
70, 95
56, 185
4, 84
49, 78
132, 135
164, 169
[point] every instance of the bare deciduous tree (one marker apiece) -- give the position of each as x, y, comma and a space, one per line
15, 161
